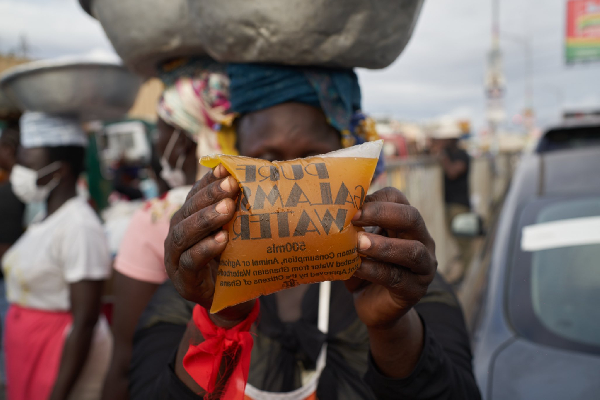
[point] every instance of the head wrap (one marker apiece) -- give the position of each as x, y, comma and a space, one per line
46, 130
196, 100
254, 87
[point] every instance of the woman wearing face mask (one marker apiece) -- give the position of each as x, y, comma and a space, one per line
56, 341
193, 104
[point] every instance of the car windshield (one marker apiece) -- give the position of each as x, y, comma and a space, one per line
555, 284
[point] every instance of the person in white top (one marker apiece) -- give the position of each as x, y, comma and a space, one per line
57, 343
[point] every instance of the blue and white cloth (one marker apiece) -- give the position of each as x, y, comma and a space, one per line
46, 130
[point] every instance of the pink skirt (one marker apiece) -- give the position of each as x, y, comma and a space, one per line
33, 344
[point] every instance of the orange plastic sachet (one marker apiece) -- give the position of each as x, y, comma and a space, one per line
292, 223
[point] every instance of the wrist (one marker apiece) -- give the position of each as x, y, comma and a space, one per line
396, 347
232, 316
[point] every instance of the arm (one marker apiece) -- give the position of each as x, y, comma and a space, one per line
85, 307
444, 369
131, 297
407, 359
195, 240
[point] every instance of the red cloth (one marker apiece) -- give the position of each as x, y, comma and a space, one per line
33, 344
203, 361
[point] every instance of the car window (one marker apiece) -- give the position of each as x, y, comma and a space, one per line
555, 276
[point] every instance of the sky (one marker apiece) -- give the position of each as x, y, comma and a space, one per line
440, 73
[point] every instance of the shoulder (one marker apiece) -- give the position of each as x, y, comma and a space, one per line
462, 155
162, 209
78, 215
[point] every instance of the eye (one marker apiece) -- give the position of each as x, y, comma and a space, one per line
269, 156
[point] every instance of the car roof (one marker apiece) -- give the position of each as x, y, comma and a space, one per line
586, 121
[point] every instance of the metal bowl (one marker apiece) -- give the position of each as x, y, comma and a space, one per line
90, 89
146, 33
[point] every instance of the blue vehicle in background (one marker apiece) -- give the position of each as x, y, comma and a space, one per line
536, 319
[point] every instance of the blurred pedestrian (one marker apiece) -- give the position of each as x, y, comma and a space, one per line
11, 208
126, 180
12, 212
194, 102
57, 343
455, 163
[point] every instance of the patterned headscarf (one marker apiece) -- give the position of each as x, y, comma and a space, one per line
196, 100
255, 87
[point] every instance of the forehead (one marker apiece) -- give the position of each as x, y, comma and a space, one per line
286, 131
34, 158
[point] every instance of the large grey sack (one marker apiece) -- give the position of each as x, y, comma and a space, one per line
334, 33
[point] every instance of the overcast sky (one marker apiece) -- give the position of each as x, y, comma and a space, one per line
441, 71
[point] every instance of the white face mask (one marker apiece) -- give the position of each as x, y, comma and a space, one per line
174, 177
24, 182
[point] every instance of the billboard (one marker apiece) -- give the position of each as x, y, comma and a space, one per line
583, 31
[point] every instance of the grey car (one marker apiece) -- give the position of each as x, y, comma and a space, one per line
537, 327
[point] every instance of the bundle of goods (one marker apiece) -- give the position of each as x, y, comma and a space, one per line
88, 89
330, 33
145, 33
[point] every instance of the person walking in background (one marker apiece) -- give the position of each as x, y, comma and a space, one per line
455, 163
12, 212
11, 208
57, 344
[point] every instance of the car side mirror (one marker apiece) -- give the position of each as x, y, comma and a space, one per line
468, 225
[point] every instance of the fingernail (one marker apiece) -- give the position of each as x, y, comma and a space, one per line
219, 171
357, 215
222, 207
221, 237
363, 242
226, 185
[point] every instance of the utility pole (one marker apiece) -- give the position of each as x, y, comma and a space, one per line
23, 46
528, 109
495, 82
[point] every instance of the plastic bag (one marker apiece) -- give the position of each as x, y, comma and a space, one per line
292, 223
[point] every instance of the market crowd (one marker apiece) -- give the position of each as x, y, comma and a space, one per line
395, 330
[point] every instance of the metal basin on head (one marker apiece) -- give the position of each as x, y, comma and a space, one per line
89, 89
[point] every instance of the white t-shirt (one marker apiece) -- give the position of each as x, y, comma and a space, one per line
69, 246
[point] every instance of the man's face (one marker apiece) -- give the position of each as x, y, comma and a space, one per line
285, 132
35, 158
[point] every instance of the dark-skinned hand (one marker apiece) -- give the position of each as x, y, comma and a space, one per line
196, 240
399, 261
